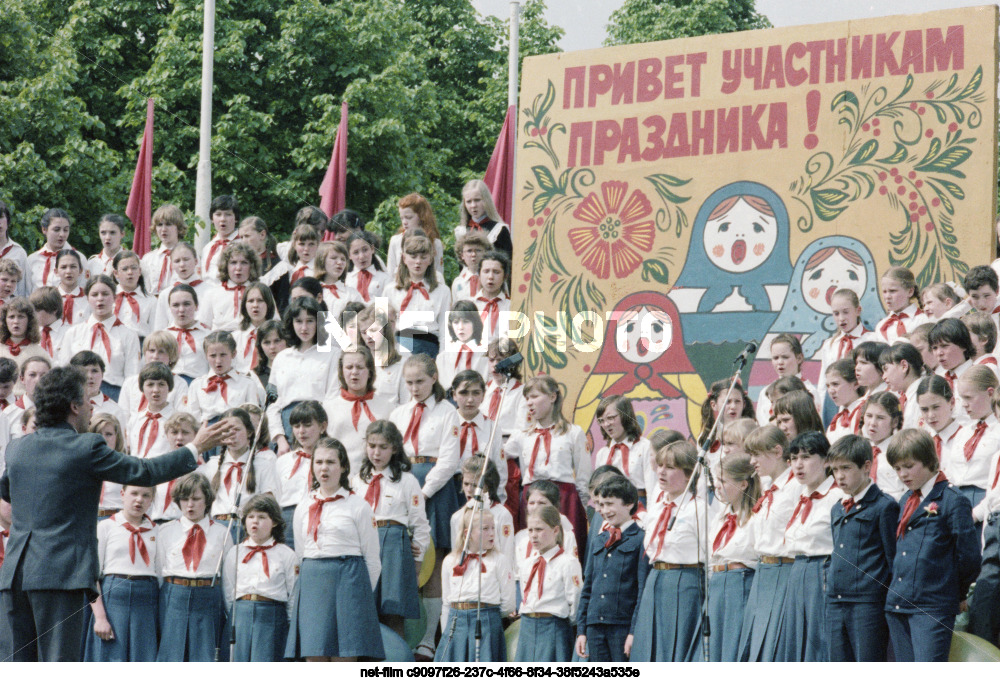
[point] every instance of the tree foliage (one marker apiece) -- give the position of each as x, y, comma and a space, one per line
421, 78
642, 21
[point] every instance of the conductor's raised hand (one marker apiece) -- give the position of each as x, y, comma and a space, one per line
215, 435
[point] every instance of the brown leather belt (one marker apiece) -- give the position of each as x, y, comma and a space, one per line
184, 581
660, 565
106, 512
728, 566
537, 615
226, 517
258, 598
470, 606
776, 560
423, 459
388, 523
134, 578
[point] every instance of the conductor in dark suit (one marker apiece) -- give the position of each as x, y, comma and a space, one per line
53, 482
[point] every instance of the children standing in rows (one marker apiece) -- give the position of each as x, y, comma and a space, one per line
258, 579
385, 482
900, 295
863, 527
881, 419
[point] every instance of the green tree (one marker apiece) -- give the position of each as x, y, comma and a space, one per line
642, 21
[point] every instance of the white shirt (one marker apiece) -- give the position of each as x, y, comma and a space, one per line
102, 404
346, 528
250, 578
497, 583
13, 251
34, 269
389, 383
513, 410
640, 457
502, 521
394, 256
991, 502
911, 410
884, 475
81, 308
265, 474
337, 296
162, 317
12, 416
102, 264
210, 254
220, 308
294, 478
340, 423
947, 435
560, 589
976, 471
240, 389
401, 501
171, 544
739, 548
912, 320
499, 327
568, 460
437, 438
301, 375
813, 537
481, 426
422, 315
191, 360
133, 402
524, 552
461, 287
837, 430
156, 265
769, 522
121, 356
57, 330
680, 544
141, 441
113, 543
376, 287
142, 323
246, 347
457, 357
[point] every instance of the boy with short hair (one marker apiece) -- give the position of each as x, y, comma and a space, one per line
92, 366
614, 578
225, 212
10, 277
864, 534
48, 306
937, 553
982, 285
146, 435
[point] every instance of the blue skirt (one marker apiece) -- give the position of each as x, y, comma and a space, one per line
396, 593
762, 616
132, 607
804, 636
727, 598
440, 508
458, 640
261, 631
333, 611
191, 623
545, 639
288, 515
286, 425
668, 628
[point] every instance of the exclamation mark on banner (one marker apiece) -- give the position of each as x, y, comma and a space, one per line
812, 116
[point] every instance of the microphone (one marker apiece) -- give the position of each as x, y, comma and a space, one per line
506, 366
745, 355
270, 395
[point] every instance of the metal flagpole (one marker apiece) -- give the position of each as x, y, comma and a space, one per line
203, 190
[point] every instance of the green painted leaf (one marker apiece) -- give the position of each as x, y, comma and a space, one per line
974, 83
662, 183
656, 271
896, 157
932, 150
542, 200
845, 97
550, 98
906, 86
953, 189
546, 181
827, 202
866, 152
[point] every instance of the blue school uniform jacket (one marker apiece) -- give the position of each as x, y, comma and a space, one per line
938, 558
613, 581
864, 546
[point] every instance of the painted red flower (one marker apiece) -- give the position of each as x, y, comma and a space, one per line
616, 230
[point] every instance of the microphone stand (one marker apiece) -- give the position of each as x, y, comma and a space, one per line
701, 466
479, 506
237, 504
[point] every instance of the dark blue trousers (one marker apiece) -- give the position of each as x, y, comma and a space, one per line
920, 637
606, 642
857, 632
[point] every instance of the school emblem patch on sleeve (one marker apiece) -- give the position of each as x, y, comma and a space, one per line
454, 431
576, 581
416, 500
506, 530
374, 523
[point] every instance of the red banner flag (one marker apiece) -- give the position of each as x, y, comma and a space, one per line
333, 191
140, 199
500, 171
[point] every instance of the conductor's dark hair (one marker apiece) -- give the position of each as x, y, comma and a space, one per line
55, 392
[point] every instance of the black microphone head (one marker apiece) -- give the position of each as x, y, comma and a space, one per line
751, 347
506, 365
270, 395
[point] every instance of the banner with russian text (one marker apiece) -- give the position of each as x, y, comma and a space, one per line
678, 200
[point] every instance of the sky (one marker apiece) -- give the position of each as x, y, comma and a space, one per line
590, 33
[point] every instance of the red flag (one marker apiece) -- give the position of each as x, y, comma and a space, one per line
333, 191
500, 172
140, 199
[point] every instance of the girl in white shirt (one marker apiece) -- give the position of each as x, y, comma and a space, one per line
189, 548
846, 312
357, 405
127, 607
463, 348
378, 332
257, 307
75, 306
299, 261
384, 481
551, 588
170, 227
366, 275
133, 307
937, 408
880, 420
308, 423
306, 370
902, 367
900, 295
333, 608
184, 262
421, 299
668, 627
842, 388
110, 428
968, 466
625, 448
238, 267
415, 213
485, 578
493, 300
260, 575
331, 269
786, 359
733, 556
